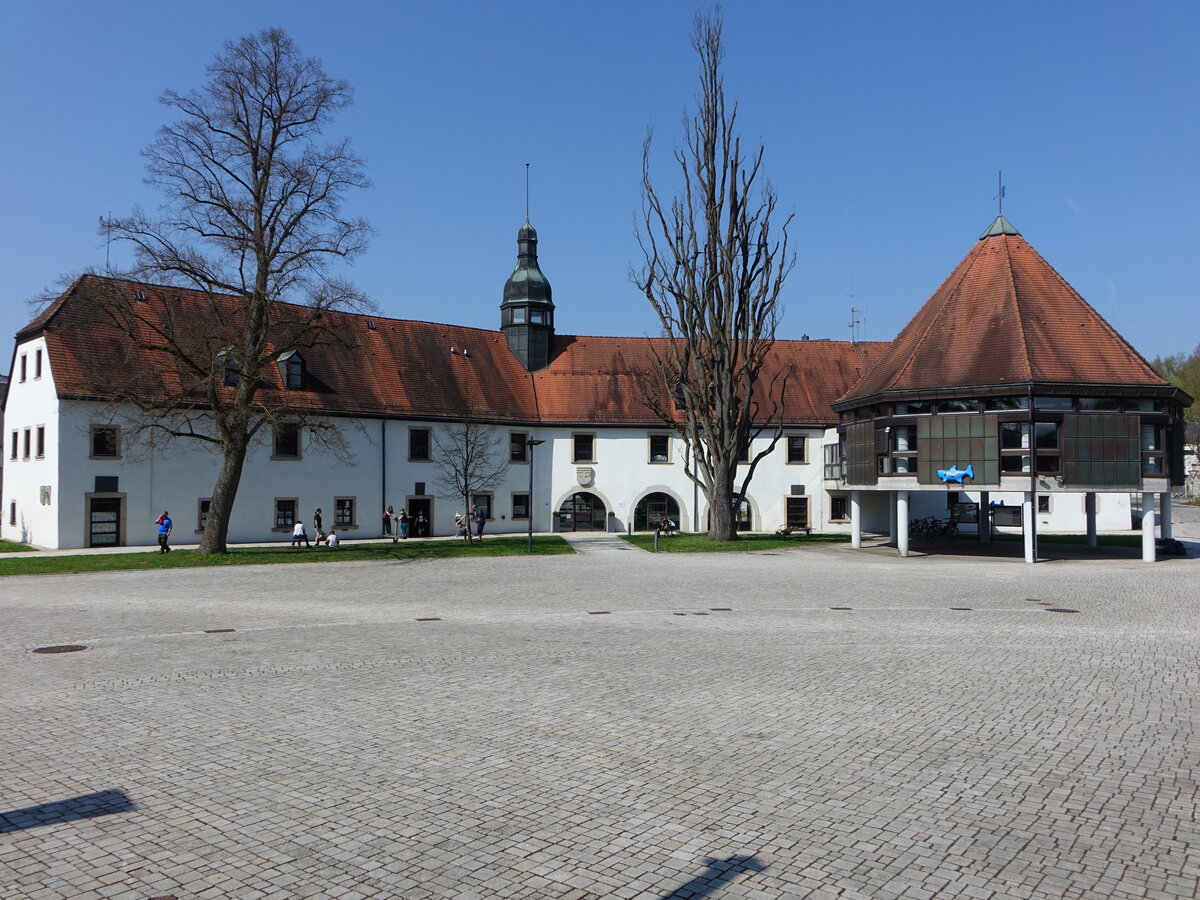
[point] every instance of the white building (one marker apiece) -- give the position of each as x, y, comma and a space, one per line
75, 476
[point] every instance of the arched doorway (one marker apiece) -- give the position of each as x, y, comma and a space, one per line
744, 520
651, 508
582, 512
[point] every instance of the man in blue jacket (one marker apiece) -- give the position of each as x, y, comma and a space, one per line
164, 532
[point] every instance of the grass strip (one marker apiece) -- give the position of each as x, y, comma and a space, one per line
543, 545
700, 543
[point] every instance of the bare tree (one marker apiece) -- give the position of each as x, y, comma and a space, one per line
252, 213
714, 268
469, 459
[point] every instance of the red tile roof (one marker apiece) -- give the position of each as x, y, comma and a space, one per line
1004, 316
408, 369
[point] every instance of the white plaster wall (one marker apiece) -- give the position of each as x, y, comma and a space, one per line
623, 474
31, 403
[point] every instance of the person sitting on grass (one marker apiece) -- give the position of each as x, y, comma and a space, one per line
332, 539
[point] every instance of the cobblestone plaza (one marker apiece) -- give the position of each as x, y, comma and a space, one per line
817, 723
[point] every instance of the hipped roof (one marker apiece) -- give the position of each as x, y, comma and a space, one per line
1004, 316
407, 369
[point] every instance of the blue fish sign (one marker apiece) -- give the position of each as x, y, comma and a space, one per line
954, 473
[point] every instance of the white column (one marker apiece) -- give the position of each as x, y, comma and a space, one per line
1164, 515
1028, 525
984, 525
1089, 509
1148, 549
893, 537
856, 519
900, 510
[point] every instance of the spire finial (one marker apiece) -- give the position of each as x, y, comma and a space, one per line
1000, 192
526, 192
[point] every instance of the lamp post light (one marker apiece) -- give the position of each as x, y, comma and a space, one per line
531, 443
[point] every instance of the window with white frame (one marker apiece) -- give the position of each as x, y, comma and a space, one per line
518, 446
660, 448
797, 449
419, 445
40, 442
797, 513
520, 506
202, 507
287, 441
583, 448
105, 442
484, 502
286, 513
344, 512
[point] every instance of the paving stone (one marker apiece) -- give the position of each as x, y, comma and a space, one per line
334, 747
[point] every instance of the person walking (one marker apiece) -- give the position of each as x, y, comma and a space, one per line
164, 532
479, 514
422, 524
404, 524
318, 531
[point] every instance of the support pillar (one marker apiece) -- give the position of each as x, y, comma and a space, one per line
893, 518
984, 519
1089, 509
900, 510
1028, 526
1148, 548
1164, 515
856, 519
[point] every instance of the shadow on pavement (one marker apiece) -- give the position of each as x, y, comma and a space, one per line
88, 806
717, 873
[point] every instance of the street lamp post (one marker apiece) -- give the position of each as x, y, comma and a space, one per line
531, 443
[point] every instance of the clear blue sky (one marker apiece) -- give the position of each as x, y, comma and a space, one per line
884, 124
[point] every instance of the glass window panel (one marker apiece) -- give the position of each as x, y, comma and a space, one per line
1052, 402
950, 406
1099, 403
1046, 436
1006, 403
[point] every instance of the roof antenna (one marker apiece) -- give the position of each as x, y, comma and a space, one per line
1001, 190
106, 224
857, 314
855, 320
526, 192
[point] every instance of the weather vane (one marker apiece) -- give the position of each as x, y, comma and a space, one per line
1002, 190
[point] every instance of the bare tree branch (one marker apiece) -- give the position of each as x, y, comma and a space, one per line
252, 210
714, 267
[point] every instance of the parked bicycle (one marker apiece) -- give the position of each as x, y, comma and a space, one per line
933, 527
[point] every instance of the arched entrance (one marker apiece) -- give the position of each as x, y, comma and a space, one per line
582, 512
651, 509
744, 520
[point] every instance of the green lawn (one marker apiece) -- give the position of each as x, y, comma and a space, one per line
699, 543
253, 556
13, 547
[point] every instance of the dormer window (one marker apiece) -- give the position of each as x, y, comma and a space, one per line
291, 370
232, 373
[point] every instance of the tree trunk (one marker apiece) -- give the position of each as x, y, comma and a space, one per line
722, 516
220, 508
